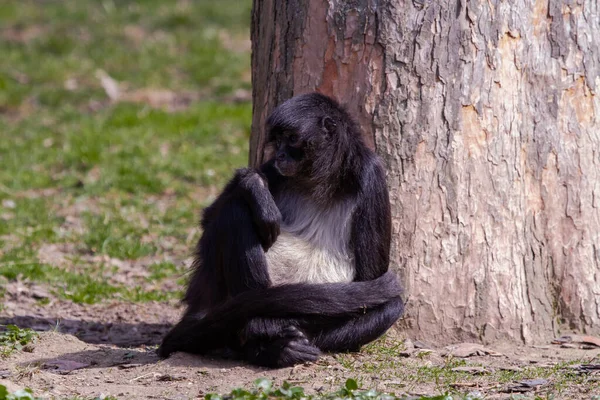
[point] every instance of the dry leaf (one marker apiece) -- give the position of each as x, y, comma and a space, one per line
463, 350
471, 370
110, 86
582, 339
526, 385
129, 366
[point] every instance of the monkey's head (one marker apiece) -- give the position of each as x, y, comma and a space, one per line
310, 136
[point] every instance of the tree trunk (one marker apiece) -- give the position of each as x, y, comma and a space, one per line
486, 114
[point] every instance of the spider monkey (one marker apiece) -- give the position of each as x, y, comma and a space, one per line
293, 259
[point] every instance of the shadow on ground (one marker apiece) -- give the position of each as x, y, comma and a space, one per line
120, 334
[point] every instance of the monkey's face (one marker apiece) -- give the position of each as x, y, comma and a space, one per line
290, 153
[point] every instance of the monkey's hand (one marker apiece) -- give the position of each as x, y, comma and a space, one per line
267, 221
265, 214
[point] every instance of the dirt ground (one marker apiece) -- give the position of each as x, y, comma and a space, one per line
109, 349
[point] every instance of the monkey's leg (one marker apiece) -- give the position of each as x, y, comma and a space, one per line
352, 333
286, 342
192, 335
281, 341
241, 264
243, 261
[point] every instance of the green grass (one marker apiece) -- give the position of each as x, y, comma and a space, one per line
116, 178
147, 44
163, 270
264, 390
428, 369
84, 284
122, 243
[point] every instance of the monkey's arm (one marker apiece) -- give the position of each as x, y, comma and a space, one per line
265, 214
371, 225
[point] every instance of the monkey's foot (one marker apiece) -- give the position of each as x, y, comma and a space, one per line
291, 347
164, 350
189, 336
297, 348
169, 345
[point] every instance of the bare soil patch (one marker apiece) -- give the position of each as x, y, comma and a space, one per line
22, 34
109, 349
61, 365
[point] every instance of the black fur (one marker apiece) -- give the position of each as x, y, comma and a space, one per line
319, 155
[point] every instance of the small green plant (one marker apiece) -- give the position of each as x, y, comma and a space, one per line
264, 390
27, 394
24, 394
14, 338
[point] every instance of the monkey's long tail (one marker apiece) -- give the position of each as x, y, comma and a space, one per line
290, 301
327, 299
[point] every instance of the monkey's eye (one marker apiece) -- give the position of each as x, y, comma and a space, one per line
293, 138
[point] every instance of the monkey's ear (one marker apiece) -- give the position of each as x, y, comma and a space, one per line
328, 125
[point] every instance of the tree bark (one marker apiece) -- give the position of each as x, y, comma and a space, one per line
486, 114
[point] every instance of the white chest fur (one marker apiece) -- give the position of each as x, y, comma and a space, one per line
312, 246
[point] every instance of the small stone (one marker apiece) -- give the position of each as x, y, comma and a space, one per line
71, 84
7, 203
169, 378
422, 345
408, 344
534, 382
28, 348
39, 293
568, 346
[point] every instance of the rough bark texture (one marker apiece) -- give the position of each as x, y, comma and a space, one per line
300, 46
487, 116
